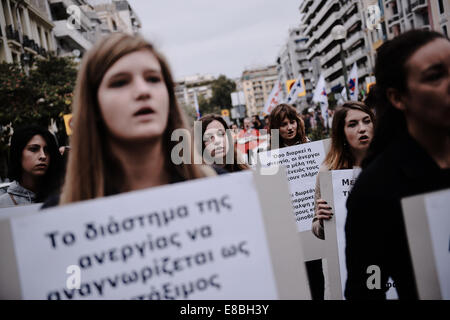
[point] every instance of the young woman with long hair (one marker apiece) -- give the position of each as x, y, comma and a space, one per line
35, 167
351, 135
409, 155
291, 128
124, 113
218, 143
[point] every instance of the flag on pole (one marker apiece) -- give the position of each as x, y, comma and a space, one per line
274, 98
344, 94
298, 89
353, 83
197, 107
320, 96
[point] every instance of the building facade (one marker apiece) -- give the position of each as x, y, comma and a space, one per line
292, 61
117, 16
319, 17
26, 31
186, 88
257, 84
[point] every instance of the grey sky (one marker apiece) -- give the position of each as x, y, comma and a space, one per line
217, 37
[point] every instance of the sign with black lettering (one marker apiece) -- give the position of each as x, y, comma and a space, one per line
302, 164
206, 242
427, 221
336, 186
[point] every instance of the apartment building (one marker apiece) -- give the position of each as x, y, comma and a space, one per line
403, 15
117, 16
25, 31
186, 88
440, 16
257, 84
320, 16
292, 61
76, 26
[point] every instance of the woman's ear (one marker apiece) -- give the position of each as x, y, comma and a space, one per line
396, 99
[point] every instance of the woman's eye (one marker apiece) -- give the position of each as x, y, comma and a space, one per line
154, 79
367, 121
352, 124
118, 83
434, 76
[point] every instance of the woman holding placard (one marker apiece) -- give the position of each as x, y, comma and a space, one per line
217, 145
409, 155
124, 113
35, 167
351, 135
291, 128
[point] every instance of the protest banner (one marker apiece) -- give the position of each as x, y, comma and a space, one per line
427, 222
204, 243
19, 210
302, 164
335, 188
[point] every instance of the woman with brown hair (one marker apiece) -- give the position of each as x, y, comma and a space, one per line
351, 135
291, 128
124, 113
217, 145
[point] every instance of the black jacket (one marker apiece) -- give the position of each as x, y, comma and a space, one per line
375, 230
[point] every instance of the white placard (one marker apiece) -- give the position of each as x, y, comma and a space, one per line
302, 164
184, 241
437, 208
342, 182
19, 210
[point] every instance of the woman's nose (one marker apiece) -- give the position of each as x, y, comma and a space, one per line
141, 88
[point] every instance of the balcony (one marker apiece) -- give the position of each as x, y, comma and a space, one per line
338, 81
325, 43
323, 11
350, 22
311, 12
74, 37
355, 56
353, 39
303, 7
84, 19
336, 67
327, 24
330, 55
419, 5
12, 34
364, 71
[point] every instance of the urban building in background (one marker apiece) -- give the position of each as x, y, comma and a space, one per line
313, 49
26, 31
31, 29
257, 84
187, 87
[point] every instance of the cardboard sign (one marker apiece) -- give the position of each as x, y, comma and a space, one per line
335, 187
206, 242
302, 164
427, 221
19, 210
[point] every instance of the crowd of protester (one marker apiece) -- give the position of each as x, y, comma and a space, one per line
399, 137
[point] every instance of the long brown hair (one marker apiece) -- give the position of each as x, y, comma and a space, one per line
238, 162
340, 155
92, 171
285, 110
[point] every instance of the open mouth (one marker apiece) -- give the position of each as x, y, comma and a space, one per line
364, 138
143, 111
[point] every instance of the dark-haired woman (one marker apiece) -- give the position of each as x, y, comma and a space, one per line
218, 143
35, 167
351, 134
291, 128
409, 155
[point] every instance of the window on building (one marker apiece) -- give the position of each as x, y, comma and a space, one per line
441, 7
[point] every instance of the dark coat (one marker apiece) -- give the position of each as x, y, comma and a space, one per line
375, 229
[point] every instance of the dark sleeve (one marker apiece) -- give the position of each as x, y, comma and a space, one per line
219, 170
51, 201
376, 236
